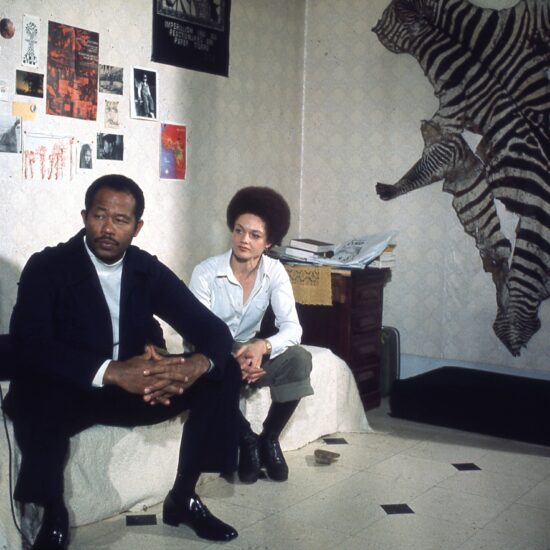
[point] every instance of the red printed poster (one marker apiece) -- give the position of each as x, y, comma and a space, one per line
172, 151
72, 72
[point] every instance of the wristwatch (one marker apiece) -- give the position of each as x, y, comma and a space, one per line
268, 347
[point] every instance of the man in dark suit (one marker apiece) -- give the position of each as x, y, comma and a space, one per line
84, 328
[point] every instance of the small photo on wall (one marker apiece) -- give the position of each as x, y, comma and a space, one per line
111, 114
173, 153
85, 156
10, 134
30, 84
110, 146
144, 94
111, 79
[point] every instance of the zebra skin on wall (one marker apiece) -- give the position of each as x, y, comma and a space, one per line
490, 70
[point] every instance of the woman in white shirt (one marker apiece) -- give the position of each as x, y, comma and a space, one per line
238, 286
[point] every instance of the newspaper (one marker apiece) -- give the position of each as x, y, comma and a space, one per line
355, 253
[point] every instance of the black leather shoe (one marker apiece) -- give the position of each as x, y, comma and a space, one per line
249, 459
54, 533
272, 458
197, 516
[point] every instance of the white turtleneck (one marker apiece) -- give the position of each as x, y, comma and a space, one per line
110, 276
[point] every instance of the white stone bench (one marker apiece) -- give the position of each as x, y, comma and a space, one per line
112, 470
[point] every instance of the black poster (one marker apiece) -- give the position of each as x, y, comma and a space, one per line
193, 34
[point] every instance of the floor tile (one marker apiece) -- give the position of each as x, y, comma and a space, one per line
538, 496
473, 510
502, 487
529, 523
405, 466
411, 532
517, 462
489, 540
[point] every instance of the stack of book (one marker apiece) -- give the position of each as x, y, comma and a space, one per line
305, 249
386, 259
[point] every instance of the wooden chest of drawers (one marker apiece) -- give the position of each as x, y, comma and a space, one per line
352, 326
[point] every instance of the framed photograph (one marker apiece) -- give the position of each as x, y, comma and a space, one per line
144, 93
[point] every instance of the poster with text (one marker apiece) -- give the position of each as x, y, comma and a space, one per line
72, 72
193, 34
172, 151
48, 157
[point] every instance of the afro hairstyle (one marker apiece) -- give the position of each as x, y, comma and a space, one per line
265, 203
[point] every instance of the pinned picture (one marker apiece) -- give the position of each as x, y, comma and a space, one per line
4, 90
172, 151
30, 37
110, 146
48, 157
111, 114
71, 87
10, 134
29, 84
85, 156
111, 79
144, 93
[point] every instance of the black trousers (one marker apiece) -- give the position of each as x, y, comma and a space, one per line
46, 414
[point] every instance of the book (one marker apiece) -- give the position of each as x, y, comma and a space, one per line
386, 259
380, 264
296, 252
313, 245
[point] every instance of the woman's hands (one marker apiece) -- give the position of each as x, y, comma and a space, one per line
250, 356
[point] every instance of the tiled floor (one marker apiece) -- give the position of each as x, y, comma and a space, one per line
459, 490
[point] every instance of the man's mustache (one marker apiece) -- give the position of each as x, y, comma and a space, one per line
106, 240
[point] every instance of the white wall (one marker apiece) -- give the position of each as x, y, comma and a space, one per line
242, 130
363, 107
361, 124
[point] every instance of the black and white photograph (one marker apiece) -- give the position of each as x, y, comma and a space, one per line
110, 146
144, 93
85, 156
111, 79
10, 134
29, 84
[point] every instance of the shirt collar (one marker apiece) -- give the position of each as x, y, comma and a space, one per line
224, 268
99, 263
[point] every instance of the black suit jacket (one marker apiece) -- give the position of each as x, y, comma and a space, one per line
61, 326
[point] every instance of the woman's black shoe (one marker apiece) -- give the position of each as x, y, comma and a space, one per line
197, 516
249, 458
272, 458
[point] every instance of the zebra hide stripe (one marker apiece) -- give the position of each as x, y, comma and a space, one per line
490, 71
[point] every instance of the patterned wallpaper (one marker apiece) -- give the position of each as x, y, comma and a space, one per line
363, 107
242, 130
359, 107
